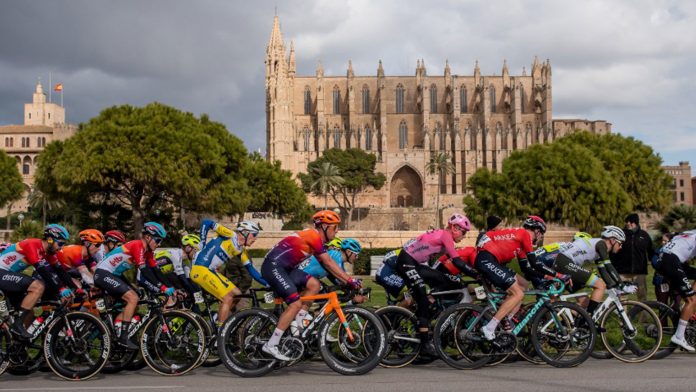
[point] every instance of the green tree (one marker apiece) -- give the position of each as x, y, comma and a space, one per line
678, 218
441, 165
633, 164
28, 229
12, 185
328, 176
154, 158
38, 200
274, 190
357, 168
560, 182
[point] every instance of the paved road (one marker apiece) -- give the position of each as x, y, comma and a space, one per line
675, 373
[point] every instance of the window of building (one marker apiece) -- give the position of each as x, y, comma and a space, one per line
368, 139
522, 98
30, 116
682, 196
336, 100
337, 137
491, 91
366, 99
26, 166
462, 97
49, 116
433, 99
305, 135
403, 135
307, 100
681, 183
399, 98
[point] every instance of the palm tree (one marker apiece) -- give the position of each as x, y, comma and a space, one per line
38, 200
679, 218
441, 164
328, 176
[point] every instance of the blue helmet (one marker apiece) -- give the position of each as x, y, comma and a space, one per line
154, 229
351, 245
57, 232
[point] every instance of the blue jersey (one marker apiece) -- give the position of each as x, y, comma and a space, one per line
313, 267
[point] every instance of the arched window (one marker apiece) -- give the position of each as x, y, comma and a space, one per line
307, 100
336, 100
368, 138
305, 135
337, 137
399, 98
26, 165
491, 91
463, 99
441, 134
403, 135
366, 99
522, 98
433, 99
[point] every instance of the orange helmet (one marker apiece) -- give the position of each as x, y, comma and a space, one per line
326, 216
92, 235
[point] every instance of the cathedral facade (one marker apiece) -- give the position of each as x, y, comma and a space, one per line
476, 120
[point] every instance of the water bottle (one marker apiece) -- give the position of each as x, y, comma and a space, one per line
37, 322
135, 323
117, 326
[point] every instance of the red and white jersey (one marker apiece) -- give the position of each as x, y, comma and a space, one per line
683, 246
17, 257
506, 244
126, 256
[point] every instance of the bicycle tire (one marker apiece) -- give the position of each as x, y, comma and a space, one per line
453, 340
209, 358
401, 326
30, 363
366, 350
639, 347
240, 341
87, 339
172, 350
575, 336
669, 319
5, 342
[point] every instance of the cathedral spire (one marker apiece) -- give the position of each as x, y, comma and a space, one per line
276, 63
380, 70
448, 72
349, 72
291, 62
320, 69
506, 71
477, 73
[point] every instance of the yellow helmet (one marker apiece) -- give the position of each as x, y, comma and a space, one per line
335, 243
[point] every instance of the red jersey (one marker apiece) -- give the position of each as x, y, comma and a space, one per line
467, 254
506, 244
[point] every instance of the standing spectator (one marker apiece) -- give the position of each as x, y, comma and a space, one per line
632, 261
492, 223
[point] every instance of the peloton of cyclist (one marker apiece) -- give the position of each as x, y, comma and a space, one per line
81, 260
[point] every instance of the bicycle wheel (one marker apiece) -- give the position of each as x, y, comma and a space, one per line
635, 342
77, 345
240, 341
25, 357
5, 343
669, 320
357, 352
563, 334
457, 338
525, 347
172, 343
403, 344
209, 357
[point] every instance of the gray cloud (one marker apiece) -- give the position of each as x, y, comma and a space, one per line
628, 62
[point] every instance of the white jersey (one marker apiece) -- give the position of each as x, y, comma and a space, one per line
581, 250
171, 260
683, 246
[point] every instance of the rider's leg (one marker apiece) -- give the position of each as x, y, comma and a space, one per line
34, 293
226, 304
597, 294
312, 287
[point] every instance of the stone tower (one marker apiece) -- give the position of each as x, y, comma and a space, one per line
40, 112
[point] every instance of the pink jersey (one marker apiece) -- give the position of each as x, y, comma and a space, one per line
429, 244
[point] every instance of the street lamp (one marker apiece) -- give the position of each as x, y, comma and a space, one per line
20, 217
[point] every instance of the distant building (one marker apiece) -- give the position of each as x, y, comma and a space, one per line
682, 183
44, 122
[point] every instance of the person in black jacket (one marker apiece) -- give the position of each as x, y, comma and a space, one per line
633, 258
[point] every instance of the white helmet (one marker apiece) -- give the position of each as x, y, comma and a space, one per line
613, 232
250, 226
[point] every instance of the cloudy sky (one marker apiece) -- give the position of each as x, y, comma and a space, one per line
628, 62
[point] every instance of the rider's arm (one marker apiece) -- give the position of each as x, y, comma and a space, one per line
86, 276
47, 273
249, 266
533, 266
464, 267
605, 267
330, 265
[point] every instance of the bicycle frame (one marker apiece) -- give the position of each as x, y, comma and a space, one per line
332, 305
613, 297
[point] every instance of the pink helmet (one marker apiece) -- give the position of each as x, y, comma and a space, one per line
459, 220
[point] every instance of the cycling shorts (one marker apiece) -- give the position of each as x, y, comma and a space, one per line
212, 282
386, 277
112, 284
580, 276
677, 273
14, 282
286, 283
499, 275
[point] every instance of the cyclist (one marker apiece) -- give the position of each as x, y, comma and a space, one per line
418, 252
334, 244
392, 283
217, 252
280, 270
673, 264
81, 260
113, 239
41, 254
499, 247
663, 290
172, 263
109, 275
340, 251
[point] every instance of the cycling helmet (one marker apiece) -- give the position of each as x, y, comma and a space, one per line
92, 236
582, 235
534, 222
56, 232
326, 216
154, 229
250, 226
351, 245
4, 245
335, 243
461, 221
191, 240
115, 236
613, 232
